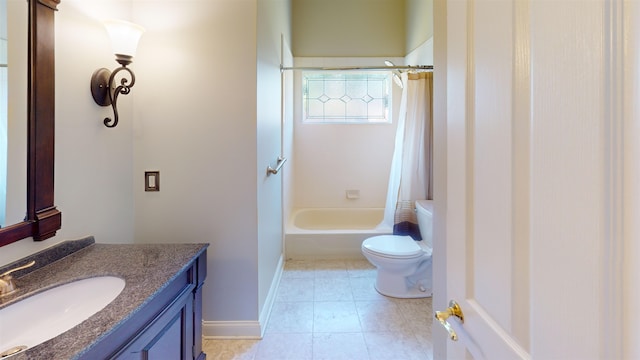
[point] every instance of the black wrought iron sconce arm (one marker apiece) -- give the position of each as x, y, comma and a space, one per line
105, 92
104, 87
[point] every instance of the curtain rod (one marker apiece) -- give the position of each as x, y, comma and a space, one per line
381, 68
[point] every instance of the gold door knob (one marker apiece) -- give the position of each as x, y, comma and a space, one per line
452, 310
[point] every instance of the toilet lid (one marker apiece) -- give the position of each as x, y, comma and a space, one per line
393, 245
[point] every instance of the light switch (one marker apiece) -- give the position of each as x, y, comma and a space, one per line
151, 181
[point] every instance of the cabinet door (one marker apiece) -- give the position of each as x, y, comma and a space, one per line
168, 337
168, 343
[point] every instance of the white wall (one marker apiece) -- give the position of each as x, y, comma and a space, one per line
419, 23
422, 55
288, 176
93, 186
329, 159
273, 26
330, 28
195, 122
332, 158
207, 116
93, 168
192, 115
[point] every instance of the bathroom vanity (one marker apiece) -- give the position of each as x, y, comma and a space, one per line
156, 316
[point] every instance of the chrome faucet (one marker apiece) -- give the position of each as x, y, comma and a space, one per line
7, 285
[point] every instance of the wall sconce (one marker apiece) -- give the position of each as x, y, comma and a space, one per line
124, 40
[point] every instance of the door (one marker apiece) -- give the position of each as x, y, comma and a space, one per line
530, 215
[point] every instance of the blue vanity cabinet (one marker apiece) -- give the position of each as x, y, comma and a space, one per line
168, 327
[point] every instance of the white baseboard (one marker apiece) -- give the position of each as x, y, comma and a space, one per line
246, 329
271, 296
231, 330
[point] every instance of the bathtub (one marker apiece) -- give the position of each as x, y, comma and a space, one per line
331, 233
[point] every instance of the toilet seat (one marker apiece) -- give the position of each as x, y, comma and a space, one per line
393, 246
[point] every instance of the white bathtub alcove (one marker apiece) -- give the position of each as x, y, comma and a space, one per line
331, 233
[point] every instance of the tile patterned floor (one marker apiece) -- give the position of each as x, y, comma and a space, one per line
329, 309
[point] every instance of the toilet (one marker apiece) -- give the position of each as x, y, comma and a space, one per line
403, 264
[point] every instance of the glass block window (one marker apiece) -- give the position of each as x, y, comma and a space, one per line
346, 97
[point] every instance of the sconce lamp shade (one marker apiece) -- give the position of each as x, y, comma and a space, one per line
124, 39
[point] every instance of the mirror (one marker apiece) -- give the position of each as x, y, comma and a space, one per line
13, 110
42, 219
4, 88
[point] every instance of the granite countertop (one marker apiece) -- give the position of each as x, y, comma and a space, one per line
146, 268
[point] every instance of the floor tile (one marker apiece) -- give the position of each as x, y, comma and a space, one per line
394, 346
332, 289
380, 316
230, 349
339, 346
363, 288
329, 309
335, 316
285, 347
360, 268
418, 314
291, 317
331, 269
298, 269
295, 289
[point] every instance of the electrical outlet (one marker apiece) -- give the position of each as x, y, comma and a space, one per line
353, 194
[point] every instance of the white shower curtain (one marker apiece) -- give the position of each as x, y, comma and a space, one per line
411, 176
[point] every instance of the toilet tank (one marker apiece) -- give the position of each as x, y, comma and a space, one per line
424, 212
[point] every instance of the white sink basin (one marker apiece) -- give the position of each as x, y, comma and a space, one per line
48, 314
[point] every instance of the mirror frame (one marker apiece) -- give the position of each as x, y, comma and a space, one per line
42, 219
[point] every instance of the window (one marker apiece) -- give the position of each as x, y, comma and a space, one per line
346, 97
